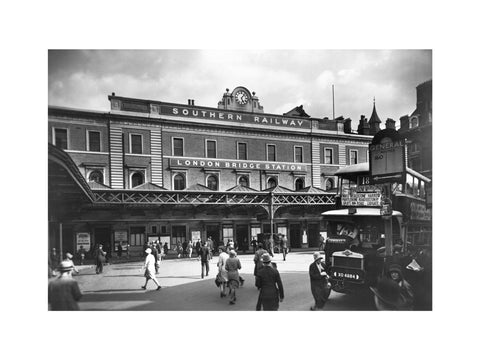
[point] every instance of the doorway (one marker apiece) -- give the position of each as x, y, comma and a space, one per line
313, 235
214, 232
296, 235
241, 234
102, 236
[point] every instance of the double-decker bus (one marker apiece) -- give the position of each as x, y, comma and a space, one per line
356, 249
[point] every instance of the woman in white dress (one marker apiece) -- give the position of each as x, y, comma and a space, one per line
222, 272
150, 269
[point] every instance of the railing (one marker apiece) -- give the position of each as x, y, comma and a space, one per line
210, 198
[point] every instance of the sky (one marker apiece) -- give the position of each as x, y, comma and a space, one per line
282, 79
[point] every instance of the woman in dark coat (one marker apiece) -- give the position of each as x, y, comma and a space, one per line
270, 284
232, 265
319, 283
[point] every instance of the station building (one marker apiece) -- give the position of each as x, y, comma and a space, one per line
153, 170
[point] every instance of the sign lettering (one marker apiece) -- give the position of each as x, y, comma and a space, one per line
236, 164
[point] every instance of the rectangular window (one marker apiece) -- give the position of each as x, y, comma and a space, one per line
298, 154
227, 234
60, 138
255, 230
353, 157
242, 151
93, 141
137, 236
211, 149
177, 147
136, 144
328, 156
271, 153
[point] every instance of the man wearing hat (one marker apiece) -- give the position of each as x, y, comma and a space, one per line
270, 284
319, 283
150, 269
99, 257
63, 291
69, 257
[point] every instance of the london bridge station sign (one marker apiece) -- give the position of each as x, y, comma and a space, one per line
236, 164
247, 118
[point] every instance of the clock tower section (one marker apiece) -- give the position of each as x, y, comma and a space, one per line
240, 99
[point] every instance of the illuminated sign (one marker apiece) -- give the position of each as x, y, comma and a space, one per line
236, 164
259, 119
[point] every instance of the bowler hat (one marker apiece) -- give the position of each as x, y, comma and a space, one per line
266, 258
388, 292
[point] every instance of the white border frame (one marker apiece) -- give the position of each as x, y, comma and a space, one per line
325, 155
266, 152
88, 139
175, 173
206, 149
68, 135
130, 143
173, 147
294, 154
246, 150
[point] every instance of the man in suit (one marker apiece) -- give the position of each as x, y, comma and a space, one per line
319, 283
99, 257
270, 284
205, 257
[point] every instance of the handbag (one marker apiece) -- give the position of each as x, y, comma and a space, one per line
218, 281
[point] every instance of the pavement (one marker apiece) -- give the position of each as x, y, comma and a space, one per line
183, 289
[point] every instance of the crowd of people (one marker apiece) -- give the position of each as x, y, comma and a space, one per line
391, 292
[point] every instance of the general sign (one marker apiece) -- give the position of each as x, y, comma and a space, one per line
387, 156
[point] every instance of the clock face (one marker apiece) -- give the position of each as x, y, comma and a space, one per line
241, 97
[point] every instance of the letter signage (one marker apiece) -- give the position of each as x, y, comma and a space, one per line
387, 157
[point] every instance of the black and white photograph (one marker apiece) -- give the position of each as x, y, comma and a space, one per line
240, 180
262, 178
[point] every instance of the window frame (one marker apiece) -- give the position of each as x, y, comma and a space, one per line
174, 174
295, 147
217, 177
54, 138
325, 156
238, 150
246, 177
295, 182
173, 145
91, 170
350, 152
130, 142
268, 180
136, 171
99, 140
328, 180
274, 153
206, 148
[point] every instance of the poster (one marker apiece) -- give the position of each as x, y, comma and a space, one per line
121, 237
83, 239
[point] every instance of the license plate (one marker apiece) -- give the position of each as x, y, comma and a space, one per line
347, 274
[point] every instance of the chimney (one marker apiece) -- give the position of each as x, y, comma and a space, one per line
191, 102
347, 127
363, 126
390, 124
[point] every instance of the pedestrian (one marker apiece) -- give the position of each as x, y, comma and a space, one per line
198, 246
150, 269
269, 245
189, 248
321, 243
222, 275
52, 263
165, 248
254, 245
119, 250
387, 295
179, 249
319, 284
232, 266
69, 257
63, 291
257, 259
210, 247
81, 254
184, 247
205, 258
406, 291
270, 284
156, 257
99, 256
128, 251
283, 246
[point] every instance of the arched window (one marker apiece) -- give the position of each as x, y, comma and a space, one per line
272, 182
212, 182
97, 176
243, 181
137, 179
299, 184
329, 184
179, 182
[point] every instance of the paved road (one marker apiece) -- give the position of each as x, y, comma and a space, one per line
118, 288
